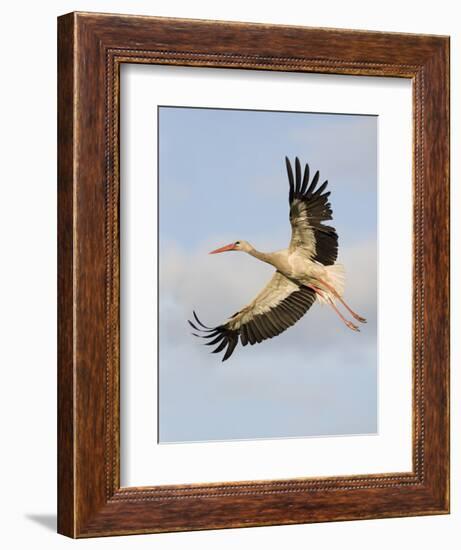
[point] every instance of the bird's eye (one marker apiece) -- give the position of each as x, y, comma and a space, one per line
238, 242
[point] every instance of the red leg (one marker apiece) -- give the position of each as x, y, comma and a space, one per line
348, 324
355, 315
345, 321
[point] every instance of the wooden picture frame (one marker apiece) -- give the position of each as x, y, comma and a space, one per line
91, 48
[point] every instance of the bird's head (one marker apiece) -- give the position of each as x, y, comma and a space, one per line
242, 246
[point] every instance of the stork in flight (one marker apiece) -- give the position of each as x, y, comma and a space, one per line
304, 272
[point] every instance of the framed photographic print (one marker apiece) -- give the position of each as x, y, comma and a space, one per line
253, 275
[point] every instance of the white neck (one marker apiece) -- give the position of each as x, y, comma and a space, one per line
263, 256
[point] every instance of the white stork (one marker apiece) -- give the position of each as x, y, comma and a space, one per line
305, 271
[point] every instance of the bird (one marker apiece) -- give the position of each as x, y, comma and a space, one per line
305, 272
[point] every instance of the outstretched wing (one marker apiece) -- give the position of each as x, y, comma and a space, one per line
280, 304
309, 208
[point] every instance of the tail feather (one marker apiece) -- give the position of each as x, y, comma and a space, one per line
337, 277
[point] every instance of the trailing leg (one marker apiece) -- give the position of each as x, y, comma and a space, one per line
349, 324
349, 309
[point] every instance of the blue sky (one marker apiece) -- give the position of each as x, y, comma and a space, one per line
222, 177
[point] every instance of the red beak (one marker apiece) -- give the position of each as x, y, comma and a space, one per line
224, 248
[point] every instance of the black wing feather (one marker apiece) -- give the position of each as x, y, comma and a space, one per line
290, 179
305, 179
298, 175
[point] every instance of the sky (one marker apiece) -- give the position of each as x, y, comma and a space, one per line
222, 178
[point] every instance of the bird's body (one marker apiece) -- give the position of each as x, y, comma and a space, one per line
306, 271
294, 265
